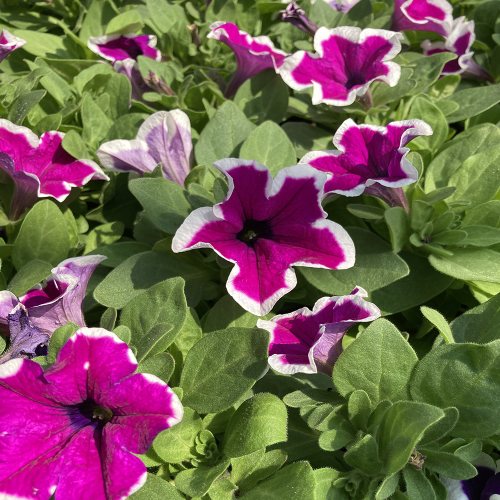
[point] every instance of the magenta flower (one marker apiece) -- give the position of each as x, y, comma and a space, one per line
307, 341
370, 159
165, 137
74, 428
423, 15
347, 61
253, 55
265, 227
9, 43
40, 167
120, 47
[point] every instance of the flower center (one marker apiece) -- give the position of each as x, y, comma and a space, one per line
253, 230
89, 412
354, 80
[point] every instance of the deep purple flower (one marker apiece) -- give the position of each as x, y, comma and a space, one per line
40, 167
120, 47
253, 55
340, 5
9, 43
165, 137
265, 227
423, 15
296, 16
458, 42
307, 341
347, 61
370, 159
74, 429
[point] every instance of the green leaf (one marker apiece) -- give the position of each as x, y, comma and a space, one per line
85, 76
108, 319
359, 408
307, 138
309, 396
223, 135
259, 422
45, 45
363, 455
486, 214
197, 482
32, 273
117, 253
481, 236
383, 94
222, 366
74, 145
161, 365
335, 439
23, 104
427, 70
95, 123
44, 236
439, 194
123, 333
157, 489
442, 427
473, 101
449, 238
439, 321
119, 90
269, 145
380, 362
464, 376
387, 487
399, 227
365, 211
103, 235
448, 465
325, 490
58, 339
425, 110
128, 22
402, 426
418, 486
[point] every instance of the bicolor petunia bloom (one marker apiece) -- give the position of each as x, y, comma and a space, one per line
120, 47
74, 429
458, 42
340, 5
296, 16
307, 341
370, 159
40, 167
346, 62
164, 137
265, 226
49, 305
423, 15
253, 55
9, 43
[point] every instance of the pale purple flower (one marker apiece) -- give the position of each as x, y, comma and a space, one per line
265, 226
121, 47
458, 42
253, 55
74, 429
370, 159
165, 137
296, 16
307, 341
40, 167
9, 43
423, 15
340, 5
130, 69
346, 62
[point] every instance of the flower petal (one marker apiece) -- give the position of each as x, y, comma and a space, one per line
126, 156
7, 302
9, 43
121, 47
427, 15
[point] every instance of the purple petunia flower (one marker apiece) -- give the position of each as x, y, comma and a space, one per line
253, 55
340, 5
40, 167
265, 226
296, 16
74, 428
423, 15
307, 341
347, 61
121, 47
9, 43
370, 159
165, 137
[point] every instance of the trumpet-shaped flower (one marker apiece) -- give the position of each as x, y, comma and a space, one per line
40, 167
74, 428
296, 16
265, 226
369, 159
253, 55
423, 15
9, 43
307, 341
120, 47
346, 62
165, 137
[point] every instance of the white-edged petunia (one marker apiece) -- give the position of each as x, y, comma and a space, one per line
346, 62
73, 430
265, 226
120, 47
164, 137
423, 15
9, 43
306, 341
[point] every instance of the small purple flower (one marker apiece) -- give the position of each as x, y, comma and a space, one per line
340, 5
347, 61
121, 47
9, 43
165, 137
40, 167
423, 15
74, 428
307, 341
130, 69
370, 159
253, 55
296, 16
265, 226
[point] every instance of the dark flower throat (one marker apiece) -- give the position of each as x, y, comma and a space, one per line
253, 230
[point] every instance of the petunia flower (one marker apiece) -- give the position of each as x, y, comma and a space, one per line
253, 55
458, 42
120, 47
346, 62
370, 159
423, 15
307, 341
296, 16
340, 5
55, 302
74, 428
40, 167
9, 43
265, 226
164, 137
